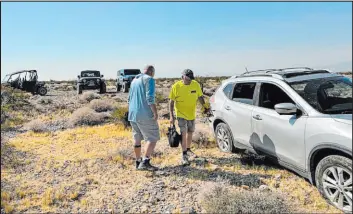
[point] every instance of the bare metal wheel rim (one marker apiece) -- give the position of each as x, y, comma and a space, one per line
337, 185
223, 139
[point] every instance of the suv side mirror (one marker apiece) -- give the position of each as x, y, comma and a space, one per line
102, 75
78, 76
286, 108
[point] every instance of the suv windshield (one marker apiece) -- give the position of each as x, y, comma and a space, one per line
90, 74
327, 95
132, 72
6, 79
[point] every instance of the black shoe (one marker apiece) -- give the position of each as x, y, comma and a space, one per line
138, 163
185, 160
146, 165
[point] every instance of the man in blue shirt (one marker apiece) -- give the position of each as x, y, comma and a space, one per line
143, 116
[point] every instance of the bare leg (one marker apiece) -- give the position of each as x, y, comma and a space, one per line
189, 139
184, 144
150, 149
137, 150
145, 164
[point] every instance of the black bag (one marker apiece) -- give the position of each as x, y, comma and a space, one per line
174, 137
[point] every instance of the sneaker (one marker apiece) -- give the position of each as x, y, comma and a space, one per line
137, 164
146, 165
184, 160
191, 154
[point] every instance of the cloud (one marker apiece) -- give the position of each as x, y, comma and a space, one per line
168, 64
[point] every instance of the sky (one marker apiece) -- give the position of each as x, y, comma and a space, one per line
60, 39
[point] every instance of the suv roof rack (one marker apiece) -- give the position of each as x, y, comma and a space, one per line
284, 72
273, 70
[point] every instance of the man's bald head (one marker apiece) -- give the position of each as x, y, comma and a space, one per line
149, 70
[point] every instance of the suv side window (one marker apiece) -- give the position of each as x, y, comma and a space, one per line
244, 93
228, 89
271, 95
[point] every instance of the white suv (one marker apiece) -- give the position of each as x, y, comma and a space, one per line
299, 117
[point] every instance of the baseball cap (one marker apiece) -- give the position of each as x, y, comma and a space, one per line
188, 73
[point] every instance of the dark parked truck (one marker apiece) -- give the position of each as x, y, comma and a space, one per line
124, 79
26, 80
91, 80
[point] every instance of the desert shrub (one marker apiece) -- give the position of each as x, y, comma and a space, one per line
89, 96
36, 125
201, 81
101, 105
217, 198
203, 137
87, 116
160, 98
119, 113
45, 101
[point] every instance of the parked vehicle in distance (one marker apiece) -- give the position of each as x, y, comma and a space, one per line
124, 79
26, 80
299, 117
91, 80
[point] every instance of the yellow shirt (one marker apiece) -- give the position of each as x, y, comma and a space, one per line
185, 99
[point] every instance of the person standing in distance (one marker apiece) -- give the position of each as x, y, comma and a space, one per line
143, 116
183, 99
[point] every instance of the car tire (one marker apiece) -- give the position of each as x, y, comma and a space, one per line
125, 88
118, 88
224, 138
333, 186
103, 88
42, 91
79, 89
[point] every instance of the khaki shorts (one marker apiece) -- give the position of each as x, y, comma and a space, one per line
147, 130
186, 125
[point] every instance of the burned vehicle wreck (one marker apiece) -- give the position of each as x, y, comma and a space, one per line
26, 80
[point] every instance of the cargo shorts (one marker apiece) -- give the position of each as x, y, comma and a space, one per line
186, 125
147, 130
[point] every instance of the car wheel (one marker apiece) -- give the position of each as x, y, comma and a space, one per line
42, 91
224, 138
333, 177
103, 89
118, 88
125, 88
79, 89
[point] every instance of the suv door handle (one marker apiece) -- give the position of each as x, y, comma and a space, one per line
257, 117
227, 108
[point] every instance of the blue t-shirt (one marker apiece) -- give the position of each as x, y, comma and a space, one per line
141, 96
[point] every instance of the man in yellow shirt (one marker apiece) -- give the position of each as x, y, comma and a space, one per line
183, 99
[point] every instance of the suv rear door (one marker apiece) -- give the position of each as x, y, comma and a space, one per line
279, 136
237, 111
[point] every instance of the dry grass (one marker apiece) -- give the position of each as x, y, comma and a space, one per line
100, 160
45, 101
36, 125
101, 105
217, 198
91, 142
5, 202
202, 136
119, 113
87, 116
89, 96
